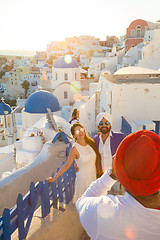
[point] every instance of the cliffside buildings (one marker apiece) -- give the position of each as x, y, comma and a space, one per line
136, 31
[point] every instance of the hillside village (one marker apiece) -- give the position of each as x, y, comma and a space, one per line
85, 73
39, 93
139, 47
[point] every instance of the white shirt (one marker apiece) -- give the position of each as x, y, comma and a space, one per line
116, 217
105, 152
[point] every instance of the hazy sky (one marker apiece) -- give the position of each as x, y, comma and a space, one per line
32, 24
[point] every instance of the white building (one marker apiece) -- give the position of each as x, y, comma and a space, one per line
84, 61
133, 55
55, 49
33, 79
103, 62
28, 136
97, 58
42, 64
65, 82
66, 79
72, 43
36, 107
148, 37
21, 62
145, 54
26, 160
110, 65
151, 52
8, 132
88, 41
131, 92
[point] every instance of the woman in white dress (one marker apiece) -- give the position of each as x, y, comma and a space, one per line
85, 153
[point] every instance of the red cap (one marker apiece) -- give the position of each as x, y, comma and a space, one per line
137, 163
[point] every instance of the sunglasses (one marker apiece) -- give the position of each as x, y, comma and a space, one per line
103, 123
80, 130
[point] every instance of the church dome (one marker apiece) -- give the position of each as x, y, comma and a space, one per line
66, 62
5, 108
38, 102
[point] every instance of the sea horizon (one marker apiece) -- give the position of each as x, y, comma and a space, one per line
18, 52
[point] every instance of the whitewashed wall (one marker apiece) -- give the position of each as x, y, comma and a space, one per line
151, 52
135, 102
61, 72
18, 118
7, 163
59, 94
106, 94
44, 164
93, 88
29, 119
133, 55
87, 115
148, 37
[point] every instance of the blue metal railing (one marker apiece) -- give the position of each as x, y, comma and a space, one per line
125, 127
20, 216
61, 190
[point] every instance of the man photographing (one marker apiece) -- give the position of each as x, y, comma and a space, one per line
136, 215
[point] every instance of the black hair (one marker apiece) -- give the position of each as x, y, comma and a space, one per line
74, 114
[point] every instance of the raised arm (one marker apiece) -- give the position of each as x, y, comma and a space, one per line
72, 156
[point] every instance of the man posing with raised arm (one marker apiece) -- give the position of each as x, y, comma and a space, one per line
136, 215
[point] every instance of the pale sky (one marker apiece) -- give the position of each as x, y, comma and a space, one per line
32, 24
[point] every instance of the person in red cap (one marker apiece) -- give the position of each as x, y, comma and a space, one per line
136, 215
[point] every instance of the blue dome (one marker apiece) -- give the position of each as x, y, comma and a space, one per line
4, 108
66, 62
38, 102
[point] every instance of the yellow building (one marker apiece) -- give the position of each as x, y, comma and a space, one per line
13, 85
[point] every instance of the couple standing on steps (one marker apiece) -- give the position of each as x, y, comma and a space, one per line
92, 156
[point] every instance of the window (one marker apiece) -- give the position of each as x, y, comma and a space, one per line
65, 95
65, 76
132, 33
75, 76
56, 76
138, 31
102, 66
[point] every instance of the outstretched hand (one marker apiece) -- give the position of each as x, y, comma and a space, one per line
50, 179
